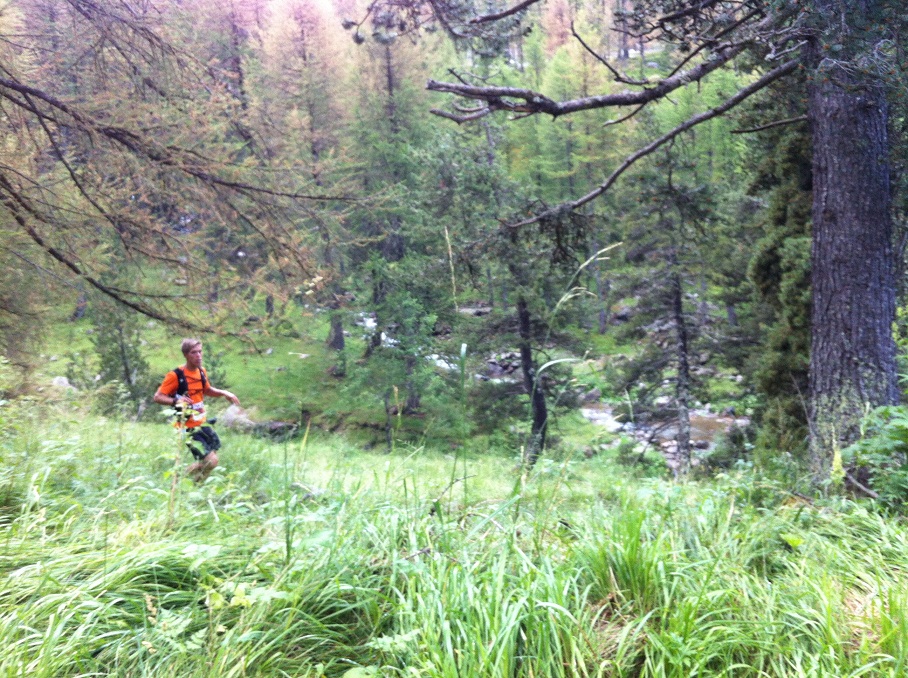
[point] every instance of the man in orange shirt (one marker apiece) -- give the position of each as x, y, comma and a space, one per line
185, 387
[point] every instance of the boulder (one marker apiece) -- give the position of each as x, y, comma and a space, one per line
592, 396
63, 383
236, 418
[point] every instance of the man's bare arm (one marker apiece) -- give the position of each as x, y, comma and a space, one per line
220, 393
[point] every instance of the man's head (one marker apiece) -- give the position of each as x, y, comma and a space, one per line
189, 344
192, 350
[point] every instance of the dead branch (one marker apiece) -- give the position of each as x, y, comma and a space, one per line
519, 100
619, 77
475, 115
487, 18
770, 125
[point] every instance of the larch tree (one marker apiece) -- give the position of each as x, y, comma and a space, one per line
125, 157
301, 116
389, 126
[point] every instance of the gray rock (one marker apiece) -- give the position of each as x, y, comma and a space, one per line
62, 382
236, 418
592, 396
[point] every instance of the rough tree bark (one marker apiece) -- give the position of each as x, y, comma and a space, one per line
852, 362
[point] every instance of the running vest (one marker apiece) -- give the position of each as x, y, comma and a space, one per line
183, 386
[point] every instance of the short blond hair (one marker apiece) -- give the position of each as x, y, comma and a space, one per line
189, 344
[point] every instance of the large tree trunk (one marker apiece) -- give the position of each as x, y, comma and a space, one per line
852, 360
539, 427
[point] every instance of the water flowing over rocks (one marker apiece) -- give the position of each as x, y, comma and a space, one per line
705, 428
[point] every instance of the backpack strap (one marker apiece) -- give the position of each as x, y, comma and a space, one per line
183, 385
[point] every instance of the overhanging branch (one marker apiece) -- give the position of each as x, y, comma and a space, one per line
18, 207
519, 100
171, 157
487, 18
698, 119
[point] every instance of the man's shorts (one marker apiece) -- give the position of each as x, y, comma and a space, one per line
207, 439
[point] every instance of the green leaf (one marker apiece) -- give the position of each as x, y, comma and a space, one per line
361, 672
792, 540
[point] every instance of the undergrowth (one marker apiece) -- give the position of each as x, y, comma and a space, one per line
316, 558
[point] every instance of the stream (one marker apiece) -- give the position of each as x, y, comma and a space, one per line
705, 427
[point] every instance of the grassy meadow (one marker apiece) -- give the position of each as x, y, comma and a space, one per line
329, 555
315, 557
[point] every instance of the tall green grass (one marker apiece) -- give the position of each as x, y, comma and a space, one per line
318, 558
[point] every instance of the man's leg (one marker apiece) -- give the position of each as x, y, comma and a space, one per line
207, 457
203, 468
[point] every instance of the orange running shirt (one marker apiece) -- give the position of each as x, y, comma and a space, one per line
193, 392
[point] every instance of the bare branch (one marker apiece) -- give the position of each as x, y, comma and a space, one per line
503, 14
464, 109
713, 40
770, 125
619, 77
775, 56
518, 100
459, 119
630, 115
726, 106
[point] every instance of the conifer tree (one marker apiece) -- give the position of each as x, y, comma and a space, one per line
839, 44
126, 156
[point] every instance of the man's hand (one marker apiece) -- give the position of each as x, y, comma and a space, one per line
221, 393
168, 400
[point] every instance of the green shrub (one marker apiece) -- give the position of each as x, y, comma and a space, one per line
880, 459
116, 373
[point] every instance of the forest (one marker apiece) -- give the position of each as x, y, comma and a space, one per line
569, 336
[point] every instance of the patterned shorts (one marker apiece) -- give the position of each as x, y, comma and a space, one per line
206, 437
